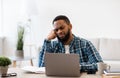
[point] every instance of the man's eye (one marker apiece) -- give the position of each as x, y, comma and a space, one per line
56, 30
61, 28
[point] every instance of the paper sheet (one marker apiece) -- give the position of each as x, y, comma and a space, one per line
34, 69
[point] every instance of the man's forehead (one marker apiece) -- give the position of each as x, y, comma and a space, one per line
59, 23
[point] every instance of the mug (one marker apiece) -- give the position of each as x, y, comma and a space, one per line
101, 67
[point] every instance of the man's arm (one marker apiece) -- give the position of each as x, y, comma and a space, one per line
88, 67
93, 58
47, 47
93, 54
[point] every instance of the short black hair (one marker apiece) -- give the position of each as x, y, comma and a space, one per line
62, 17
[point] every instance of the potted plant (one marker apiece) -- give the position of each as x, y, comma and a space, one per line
20, 42
4, 63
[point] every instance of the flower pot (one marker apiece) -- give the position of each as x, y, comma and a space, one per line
3, 70
19, 54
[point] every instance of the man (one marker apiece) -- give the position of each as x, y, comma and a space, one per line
67, 42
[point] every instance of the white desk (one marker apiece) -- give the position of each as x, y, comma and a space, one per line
22, 74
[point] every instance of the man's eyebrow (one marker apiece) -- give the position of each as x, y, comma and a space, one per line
58, 28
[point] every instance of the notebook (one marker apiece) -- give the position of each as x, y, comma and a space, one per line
60, 64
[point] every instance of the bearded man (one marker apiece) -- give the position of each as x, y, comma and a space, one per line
67, 42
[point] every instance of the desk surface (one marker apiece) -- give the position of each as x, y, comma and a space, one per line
22, 74
104, 76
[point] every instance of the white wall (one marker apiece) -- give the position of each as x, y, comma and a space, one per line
90, 18
0, 18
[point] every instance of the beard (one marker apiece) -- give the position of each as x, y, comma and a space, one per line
66, 38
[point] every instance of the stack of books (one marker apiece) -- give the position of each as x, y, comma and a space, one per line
112, 72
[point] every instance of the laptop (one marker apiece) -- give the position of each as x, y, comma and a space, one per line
60, 64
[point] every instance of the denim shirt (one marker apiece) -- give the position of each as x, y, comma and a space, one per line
88, 54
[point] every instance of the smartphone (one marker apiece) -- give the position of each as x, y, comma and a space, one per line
9, 75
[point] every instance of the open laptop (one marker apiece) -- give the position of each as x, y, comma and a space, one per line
60, 64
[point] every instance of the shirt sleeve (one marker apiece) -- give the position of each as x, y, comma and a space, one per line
93, 54
88, 67
47, 47
93, 58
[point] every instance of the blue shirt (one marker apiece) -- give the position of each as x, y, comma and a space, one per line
89, 56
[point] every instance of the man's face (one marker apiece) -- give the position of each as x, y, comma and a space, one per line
62, 30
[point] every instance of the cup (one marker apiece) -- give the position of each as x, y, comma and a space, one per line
101, 67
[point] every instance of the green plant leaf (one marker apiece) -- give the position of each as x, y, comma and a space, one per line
4, 61
20, 42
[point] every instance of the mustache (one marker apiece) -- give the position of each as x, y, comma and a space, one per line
67, 36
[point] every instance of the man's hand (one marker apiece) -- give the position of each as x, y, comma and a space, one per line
52, 35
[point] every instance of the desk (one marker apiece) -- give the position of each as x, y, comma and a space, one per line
104, 76
14, 59
22, 74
